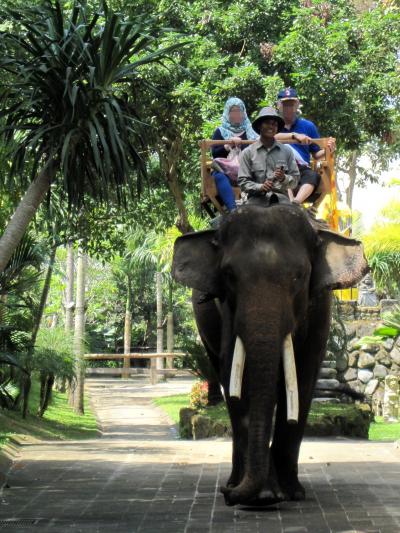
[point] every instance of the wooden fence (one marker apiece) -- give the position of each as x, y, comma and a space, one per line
125, 371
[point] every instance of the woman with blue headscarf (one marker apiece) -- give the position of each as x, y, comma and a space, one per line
235, 128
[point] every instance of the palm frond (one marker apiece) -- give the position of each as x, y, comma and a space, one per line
64, 94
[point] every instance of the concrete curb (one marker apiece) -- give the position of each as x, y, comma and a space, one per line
8, 454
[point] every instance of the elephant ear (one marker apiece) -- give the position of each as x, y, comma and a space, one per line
339, 262
196, 261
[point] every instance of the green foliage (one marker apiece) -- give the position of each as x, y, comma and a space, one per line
379, 430
198, 361
172, 405
64, 100
348, 62
59, 422
54, 353
390, 329
382, 249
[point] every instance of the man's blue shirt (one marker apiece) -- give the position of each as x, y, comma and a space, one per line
307, 127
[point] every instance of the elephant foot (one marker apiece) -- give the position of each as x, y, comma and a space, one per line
293, 490
252, 493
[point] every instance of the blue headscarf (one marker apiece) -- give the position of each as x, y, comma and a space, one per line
229, 130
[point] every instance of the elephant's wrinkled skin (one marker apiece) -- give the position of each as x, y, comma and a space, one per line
273, 274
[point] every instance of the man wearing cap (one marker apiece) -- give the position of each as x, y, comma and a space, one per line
267, 166
303, 131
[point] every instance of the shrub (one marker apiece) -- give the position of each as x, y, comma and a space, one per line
199, 395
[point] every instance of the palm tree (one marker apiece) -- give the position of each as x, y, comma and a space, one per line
65, 103
79, 331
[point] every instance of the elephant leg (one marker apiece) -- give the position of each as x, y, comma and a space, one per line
238, 412
287, 437
254, 487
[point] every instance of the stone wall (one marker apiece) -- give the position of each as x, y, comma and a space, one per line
364, 368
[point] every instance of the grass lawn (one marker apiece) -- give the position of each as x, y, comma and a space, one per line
58, 423
173, 404
379, 430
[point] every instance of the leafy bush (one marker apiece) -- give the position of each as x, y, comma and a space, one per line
199, 395
382, 248
389, 329
53, 358
198, 361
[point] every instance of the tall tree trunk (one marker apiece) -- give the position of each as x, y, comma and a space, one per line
69, 312
24, 213
160, 336
170, 326
128, 317
43, 299
128, 327
352, 173
170, 338
170, 152
69, 290
79, 331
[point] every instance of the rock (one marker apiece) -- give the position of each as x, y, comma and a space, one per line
350, 330
364, 328
347, 420
395, 369
325, 400
353, 345
219, 429
395, 355
353, 358
365, 375
348, 309
365, 360
388, 305
350, 374
388, 344
370, 348
330, 356
185, 422
330, 384
380, 371
356, 385
383, 358
201, 426
371, 387
328, 364
327, 373
342, 363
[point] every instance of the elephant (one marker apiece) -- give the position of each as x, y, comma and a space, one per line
263, 274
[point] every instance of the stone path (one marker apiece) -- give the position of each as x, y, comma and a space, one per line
138, 478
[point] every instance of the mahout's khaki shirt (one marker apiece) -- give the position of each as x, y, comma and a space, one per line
258, 163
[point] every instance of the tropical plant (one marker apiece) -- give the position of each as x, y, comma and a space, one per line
53, 359
390, 328
382, 249
65, 104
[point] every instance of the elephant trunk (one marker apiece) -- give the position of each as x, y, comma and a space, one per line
289, 367
262, 362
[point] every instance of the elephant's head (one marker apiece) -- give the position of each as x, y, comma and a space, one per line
267, 264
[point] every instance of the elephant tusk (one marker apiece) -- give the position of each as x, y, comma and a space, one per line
292, 393
218, 306
239, 356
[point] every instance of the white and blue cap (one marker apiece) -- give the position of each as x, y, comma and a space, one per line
288, 94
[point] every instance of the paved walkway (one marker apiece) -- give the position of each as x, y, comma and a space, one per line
138, 478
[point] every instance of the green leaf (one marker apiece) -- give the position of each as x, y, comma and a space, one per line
386, 331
